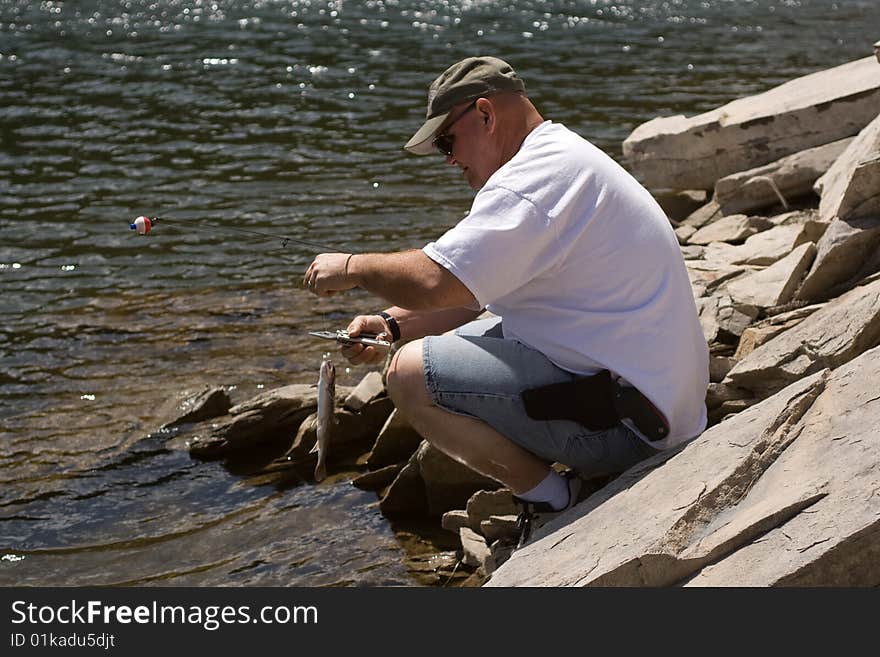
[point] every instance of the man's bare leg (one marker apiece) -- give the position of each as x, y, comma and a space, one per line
466, 439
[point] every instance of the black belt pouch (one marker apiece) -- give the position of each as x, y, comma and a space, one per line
597, 402
588, 400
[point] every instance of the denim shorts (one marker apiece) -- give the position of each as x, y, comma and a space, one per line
479, 373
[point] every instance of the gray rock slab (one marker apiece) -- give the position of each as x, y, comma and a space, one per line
692, 153
836, 540
845, 253
668, 517
851, 187
779, 182
833, 335
776, 284
733, 229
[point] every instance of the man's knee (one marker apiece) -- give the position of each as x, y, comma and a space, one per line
406, 378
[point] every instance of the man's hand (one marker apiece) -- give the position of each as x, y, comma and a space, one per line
328, 274
360, 354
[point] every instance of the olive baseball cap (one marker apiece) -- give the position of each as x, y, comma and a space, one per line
467, 80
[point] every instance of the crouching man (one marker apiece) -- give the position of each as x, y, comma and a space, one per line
595, 358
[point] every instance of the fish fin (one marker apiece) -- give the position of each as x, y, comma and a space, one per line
320, 472
314, 449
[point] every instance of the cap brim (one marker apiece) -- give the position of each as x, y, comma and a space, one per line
420, 144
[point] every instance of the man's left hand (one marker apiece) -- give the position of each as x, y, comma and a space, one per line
328, 274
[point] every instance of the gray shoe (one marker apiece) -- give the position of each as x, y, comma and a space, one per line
537, 514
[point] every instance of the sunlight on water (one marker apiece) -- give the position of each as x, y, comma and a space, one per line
285, 118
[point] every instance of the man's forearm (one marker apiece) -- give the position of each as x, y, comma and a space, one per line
409, 280
415, 324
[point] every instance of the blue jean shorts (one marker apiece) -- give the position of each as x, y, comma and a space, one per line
479, 373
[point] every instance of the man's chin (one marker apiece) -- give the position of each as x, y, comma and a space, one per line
472, 180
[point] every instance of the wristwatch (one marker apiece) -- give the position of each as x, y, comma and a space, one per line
393, 326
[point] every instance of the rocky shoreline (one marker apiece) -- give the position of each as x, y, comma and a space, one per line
775, 200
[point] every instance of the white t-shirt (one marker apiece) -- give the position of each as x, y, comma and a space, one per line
582, 264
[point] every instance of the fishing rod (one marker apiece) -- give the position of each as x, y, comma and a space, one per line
144, 225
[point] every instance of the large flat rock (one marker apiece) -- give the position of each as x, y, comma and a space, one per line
836, 453
784, 493
830, 337
692, 153
629, 533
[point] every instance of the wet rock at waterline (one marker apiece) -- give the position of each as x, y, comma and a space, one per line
272, 416
187, 408
351, 435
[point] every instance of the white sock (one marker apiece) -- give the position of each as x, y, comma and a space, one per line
553, 490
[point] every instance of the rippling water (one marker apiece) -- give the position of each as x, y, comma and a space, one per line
287, 117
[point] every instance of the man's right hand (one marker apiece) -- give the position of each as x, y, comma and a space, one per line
359, 354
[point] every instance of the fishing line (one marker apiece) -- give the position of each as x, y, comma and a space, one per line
143, 225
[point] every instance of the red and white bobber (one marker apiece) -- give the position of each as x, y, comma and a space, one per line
143, 225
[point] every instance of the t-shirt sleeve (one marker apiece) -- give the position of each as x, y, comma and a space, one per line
503, 243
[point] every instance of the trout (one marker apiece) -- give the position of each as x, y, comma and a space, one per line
326, 404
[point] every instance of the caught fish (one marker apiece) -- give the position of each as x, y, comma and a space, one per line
326, 404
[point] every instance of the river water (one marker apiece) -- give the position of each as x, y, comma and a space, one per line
285, 117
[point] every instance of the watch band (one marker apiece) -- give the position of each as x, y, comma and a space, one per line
392, 325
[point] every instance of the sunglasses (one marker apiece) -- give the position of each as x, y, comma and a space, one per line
443, 142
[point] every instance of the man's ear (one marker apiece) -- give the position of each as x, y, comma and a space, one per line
486, 108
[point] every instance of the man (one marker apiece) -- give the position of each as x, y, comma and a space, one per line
598, 359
